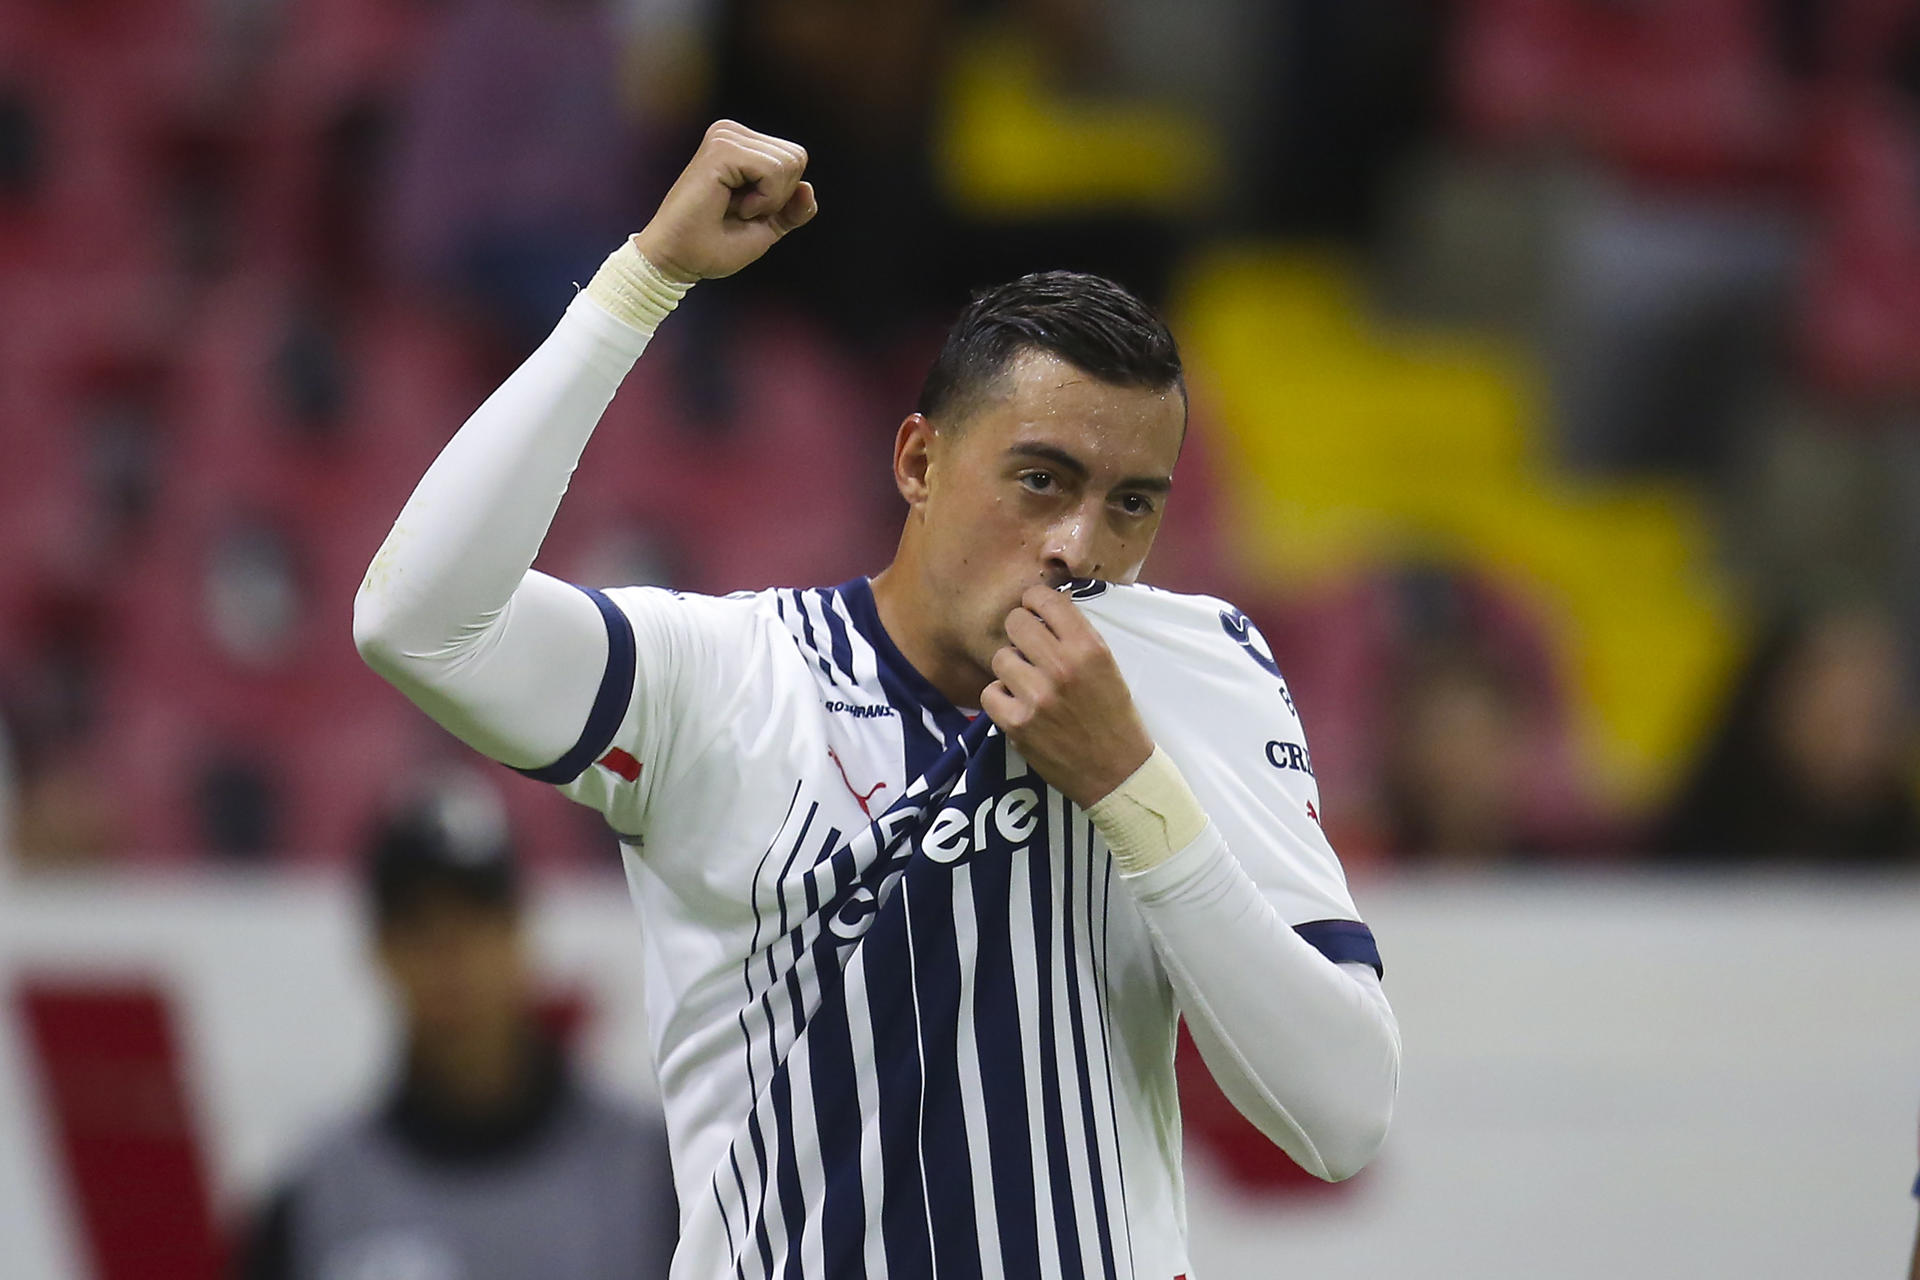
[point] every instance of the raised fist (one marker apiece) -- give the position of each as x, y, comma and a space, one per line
740, 193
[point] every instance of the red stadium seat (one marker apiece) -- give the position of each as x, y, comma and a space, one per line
784, 491
1680, 90
1862, 324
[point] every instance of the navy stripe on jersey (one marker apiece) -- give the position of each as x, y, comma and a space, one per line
836, 632
806, 626
755, 1132
909, 691
1343, 942
609, 703
791, 1199
905, 1219
1066, 1220
996, 1013
935, 962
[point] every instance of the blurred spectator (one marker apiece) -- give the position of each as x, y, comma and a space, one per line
1813, 757
514, 165
1669, 326
239, 804
1358, 88
1453, 771
489, 1157
121, 423
66, 812
252, 597
203, 159
21, 145
855, 83
1439, 720
313, 377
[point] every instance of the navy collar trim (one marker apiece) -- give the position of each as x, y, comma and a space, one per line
895, 671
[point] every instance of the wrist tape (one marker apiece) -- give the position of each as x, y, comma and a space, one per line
632, 289
1149, 817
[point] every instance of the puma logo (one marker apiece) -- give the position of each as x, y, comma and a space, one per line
862, 799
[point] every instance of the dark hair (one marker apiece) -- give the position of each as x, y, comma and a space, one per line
1087, 320
421, 852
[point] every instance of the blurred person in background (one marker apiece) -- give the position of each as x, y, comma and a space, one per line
1441, 709
63, 814
880, 88
1814, 755
1453, 773
489, 1159
514, 159
860, 80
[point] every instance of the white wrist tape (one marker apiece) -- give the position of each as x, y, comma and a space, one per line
1149, 817
633, 290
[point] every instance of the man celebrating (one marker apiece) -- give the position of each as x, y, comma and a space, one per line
925, 889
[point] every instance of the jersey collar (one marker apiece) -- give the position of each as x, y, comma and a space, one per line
901, 680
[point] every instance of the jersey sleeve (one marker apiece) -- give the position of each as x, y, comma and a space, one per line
1214, 699
673, 669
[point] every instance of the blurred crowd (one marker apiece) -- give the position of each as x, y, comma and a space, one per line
258, 258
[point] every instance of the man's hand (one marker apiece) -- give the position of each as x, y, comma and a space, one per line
740, 193
1062, 701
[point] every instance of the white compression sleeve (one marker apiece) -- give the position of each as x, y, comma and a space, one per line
1306, 1049
507, 659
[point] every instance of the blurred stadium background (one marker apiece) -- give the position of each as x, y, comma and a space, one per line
1556, 371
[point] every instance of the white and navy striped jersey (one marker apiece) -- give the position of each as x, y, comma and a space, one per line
908, 1020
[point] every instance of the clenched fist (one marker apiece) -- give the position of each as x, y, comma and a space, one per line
740, 193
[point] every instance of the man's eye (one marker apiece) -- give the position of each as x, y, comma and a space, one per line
1136, 505
1038, 481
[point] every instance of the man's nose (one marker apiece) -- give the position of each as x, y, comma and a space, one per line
1074, 548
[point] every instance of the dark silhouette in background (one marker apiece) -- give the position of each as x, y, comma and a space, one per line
1813, 757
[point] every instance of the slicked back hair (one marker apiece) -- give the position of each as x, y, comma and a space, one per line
1086, 320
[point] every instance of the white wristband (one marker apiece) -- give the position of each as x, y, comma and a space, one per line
1149, 817
632, 289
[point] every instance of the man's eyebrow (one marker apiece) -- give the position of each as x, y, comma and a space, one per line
1067, 462
1054, 454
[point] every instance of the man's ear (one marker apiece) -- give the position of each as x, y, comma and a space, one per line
913, 448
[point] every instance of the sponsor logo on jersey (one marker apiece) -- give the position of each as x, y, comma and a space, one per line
958, 832
857, 711
1290, 755
1240, 629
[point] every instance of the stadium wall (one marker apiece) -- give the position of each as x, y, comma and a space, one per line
1603, 1077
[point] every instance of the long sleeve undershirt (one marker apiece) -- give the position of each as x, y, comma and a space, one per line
509, 661
1306, 1049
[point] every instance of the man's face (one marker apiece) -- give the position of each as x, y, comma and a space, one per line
458, 970
1061, 476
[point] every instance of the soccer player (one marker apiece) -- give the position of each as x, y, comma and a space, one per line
929, 864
